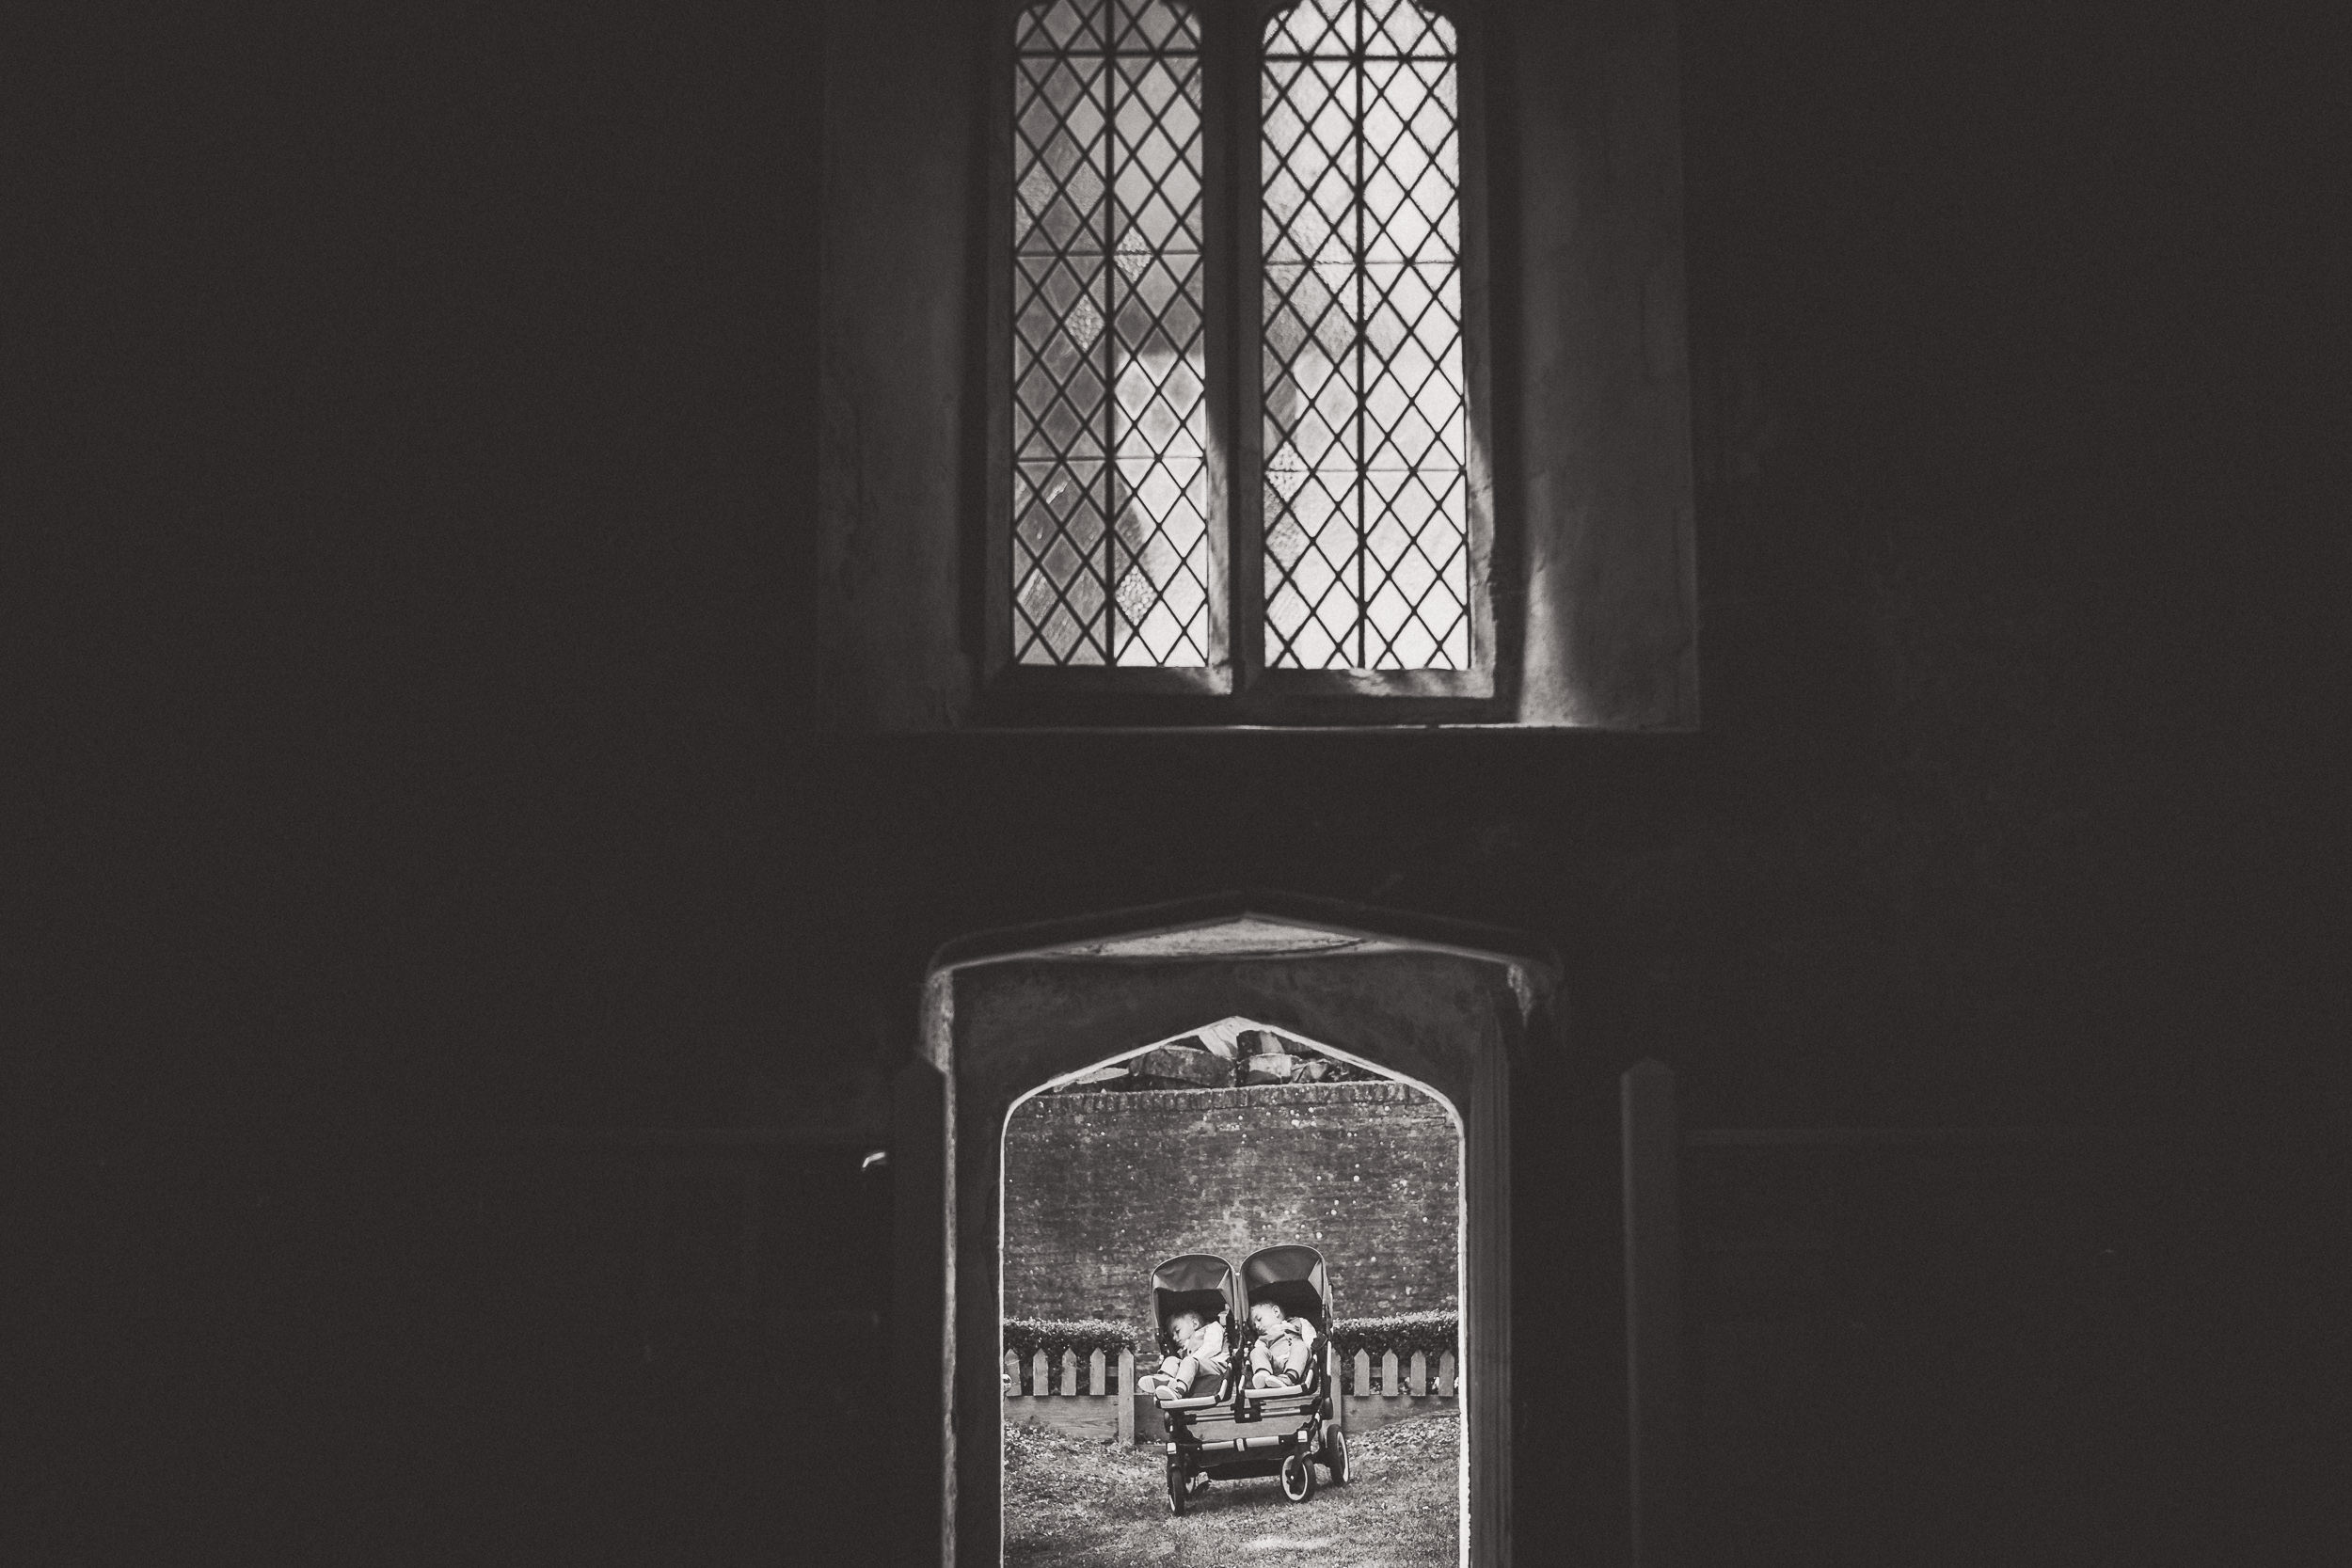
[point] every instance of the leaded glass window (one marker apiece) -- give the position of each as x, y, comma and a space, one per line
1239, 446
1111, 481
1367, 557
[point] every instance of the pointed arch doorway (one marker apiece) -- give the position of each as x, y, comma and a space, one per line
1443, 1004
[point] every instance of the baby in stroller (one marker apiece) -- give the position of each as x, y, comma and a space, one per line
1201, 1370
1283, 1348
1283, 1417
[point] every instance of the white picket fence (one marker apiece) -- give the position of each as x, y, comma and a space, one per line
1042, 1378
1040, 1393
1096, 1398
1406, 1388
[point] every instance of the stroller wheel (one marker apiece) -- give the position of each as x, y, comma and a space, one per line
1175, 1487
1335, 1456
1298, 1477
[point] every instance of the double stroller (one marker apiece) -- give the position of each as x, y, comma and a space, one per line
1239, 1431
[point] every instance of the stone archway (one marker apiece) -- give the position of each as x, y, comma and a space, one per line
1446, 1005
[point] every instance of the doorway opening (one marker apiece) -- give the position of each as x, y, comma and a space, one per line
1231, 1269
1441, 1005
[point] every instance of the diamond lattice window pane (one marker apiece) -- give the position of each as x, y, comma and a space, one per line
1367, 541
1110, 548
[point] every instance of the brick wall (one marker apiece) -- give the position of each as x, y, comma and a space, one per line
1099, 1187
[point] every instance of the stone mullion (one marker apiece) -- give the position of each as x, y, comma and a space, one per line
1110, 346
1362, 484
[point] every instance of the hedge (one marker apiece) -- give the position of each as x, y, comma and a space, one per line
1025, 1337
1431, 1332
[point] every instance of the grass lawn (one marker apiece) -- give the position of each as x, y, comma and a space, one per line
1069, 1503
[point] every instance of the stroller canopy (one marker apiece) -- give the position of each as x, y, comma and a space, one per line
1195, 1282
1292, 1278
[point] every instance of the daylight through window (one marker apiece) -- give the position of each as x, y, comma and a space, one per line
1367, 532
1110, 480
1341, 250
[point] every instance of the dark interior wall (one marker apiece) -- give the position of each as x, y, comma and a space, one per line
2091, 1349
416, 408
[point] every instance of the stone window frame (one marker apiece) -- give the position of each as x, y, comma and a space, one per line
1596, 600
1445, 1006
1243, 691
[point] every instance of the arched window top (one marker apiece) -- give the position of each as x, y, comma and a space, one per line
1345, 29
1099, 27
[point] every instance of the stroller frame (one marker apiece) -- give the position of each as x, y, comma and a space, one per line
1240, 1431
